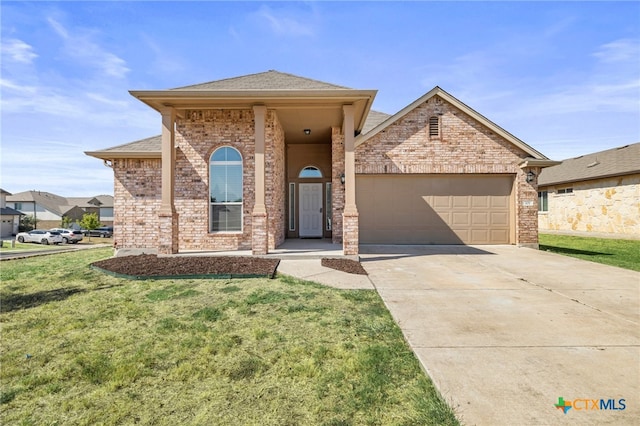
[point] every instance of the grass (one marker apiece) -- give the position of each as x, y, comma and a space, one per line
6, 246
80, 347
621, 253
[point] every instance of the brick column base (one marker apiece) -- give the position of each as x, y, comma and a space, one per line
168, 233
350, 238
259, 235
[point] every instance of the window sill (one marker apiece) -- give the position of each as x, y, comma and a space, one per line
226, 232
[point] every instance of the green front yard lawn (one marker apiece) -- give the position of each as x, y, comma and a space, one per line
6, 246
622, 253
82, 347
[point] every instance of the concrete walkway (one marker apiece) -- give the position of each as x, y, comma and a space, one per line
505, 331
312, 270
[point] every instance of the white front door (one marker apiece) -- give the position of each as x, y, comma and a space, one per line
310, 210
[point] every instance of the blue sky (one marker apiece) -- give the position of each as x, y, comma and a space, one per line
562, 76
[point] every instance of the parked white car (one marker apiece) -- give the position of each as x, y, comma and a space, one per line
69, 236
39, 236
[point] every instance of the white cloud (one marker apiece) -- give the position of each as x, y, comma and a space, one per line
107, 101
612, 84
18, 51
163, 61
83, 49
58, 28
285, 23
42, 100
619, 51
16, 87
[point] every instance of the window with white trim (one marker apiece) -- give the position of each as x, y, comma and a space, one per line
292, 206
225, 190
565, 191
310, 172
328, 207
543, 201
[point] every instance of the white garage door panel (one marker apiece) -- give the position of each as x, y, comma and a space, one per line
434, 209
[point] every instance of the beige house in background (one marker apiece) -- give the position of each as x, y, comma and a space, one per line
247, 162
598, 194
49, 209
9, 218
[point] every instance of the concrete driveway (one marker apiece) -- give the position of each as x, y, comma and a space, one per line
505, 331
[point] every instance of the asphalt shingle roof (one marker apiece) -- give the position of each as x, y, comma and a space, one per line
151, 144
269, 80
612, 162
8, 211
56, 203
373, 119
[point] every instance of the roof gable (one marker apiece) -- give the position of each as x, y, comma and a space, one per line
611, 162
437, 91
269, 80
52, 202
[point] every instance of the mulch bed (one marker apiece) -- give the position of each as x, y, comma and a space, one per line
152, 266
344, 265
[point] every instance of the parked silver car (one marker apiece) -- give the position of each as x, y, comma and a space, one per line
69, 236
39, 236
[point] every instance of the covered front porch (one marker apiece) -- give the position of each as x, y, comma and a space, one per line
275, 206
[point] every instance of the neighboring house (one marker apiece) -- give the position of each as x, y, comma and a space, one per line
100, 204
246, 162
9, 218
597, 193
49, 209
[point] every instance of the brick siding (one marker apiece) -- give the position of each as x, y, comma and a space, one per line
136, 201
337, 188
463, 146
198, 134
275, 179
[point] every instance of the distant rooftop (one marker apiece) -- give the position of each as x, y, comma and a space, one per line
611, 162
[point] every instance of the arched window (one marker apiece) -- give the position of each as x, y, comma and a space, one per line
225, 190
310, 172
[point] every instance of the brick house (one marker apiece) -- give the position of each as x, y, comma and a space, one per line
247, 162
597, 193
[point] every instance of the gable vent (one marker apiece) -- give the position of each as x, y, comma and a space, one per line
434, 128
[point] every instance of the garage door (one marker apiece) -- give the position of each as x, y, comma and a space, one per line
434, 209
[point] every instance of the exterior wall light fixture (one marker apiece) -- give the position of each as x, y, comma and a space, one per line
307, 132
342, 178
530, 176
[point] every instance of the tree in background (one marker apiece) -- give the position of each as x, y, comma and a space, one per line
89, 222
27, 223
66, 222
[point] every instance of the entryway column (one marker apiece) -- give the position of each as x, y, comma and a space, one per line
259, 227
167, 216
527, 207
350, 216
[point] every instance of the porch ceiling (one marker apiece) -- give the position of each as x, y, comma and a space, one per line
317, 110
